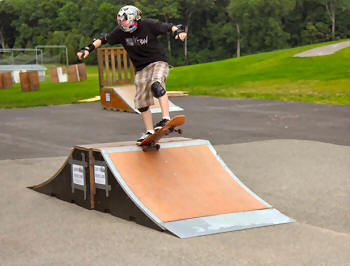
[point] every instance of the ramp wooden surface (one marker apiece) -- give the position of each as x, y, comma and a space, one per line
183, 183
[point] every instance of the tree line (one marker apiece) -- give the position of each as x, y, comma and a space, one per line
217, 29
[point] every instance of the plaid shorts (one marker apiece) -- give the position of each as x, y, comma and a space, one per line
157, 71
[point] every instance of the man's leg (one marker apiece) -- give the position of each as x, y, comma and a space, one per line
147, 119
160, 93
164, 105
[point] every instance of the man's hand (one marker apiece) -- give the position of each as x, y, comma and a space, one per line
179, 33
83, 54
182, 36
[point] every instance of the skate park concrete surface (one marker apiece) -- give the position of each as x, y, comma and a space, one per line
295, 156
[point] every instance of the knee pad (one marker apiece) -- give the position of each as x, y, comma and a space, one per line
143, 109
157, 89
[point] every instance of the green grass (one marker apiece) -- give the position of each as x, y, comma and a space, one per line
272, 75
52, 93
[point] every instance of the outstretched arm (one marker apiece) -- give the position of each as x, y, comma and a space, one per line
84, 52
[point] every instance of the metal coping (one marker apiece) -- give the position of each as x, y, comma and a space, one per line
226, 223
173, 108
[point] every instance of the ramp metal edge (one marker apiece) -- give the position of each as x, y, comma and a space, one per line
173, 108
235, 177
184, 143
226, 223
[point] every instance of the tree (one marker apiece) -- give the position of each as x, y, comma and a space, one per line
189, 8
260, 23
332, 6
106, 17
166, 9
7, 31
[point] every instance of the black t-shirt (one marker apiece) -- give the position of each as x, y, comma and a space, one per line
142, 45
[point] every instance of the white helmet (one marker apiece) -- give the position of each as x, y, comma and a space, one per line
128, 17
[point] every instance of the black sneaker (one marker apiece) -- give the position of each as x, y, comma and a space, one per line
143, 137
161, 124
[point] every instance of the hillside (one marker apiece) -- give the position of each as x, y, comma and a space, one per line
271, 75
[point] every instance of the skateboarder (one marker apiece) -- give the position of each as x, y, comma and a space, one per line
139, 38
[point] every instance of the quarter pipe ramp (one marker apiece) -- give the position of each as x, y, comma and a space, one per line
121, 98
184, 188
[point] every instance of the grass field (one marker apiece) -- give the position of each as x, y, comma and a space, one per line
272, 75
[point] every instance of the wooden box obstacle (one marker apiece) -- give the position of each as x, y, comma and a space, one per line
77, 72
58, 74
29, 80
116, 73
6, 80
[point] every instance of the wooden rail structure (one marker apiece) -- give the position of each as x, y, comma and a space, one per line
114, 67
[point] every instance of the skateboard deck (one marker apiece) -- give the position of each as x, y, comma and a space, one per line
151, 142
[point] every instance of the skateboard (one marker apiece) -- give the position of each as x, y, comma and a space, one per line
151, 142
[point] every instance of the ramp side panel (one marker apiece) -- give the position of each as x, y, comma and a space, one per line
226, 223
60, 185
182, 183
115, 100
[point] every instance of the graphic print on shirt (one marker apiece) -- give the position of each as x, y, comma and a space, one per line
135, 41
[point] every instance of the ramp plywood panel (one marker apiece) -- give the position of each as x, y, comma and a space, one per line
183, 183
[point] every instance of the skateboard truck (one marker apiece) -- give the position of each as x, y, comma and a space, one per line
151, 142
151, 146
173, 130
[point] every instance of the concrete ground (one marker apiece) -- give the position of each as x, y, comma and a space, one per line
296, 156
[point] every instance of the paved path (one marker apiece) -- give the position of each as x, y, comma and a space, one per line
324, 50
296, 156
306, 180
52, 131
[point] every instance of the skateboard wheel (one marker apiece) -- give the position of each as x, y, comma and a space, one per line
157, 147
180, 131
